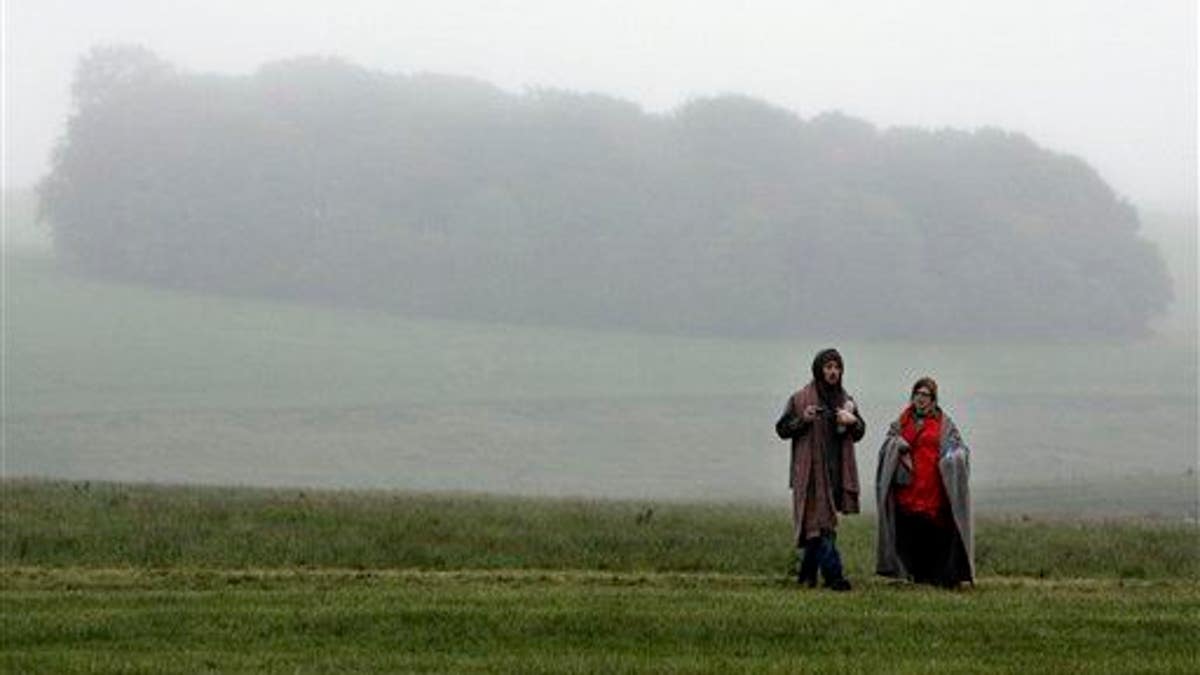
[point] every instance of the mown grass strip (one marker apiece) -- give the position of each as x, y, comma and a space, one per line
311, 621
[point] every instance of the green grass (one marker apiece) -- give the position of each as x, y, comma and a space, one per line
106, 381
115, 525
100, 577
340, 621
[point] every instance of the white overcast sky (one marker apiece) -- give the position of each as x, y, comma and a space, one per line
1112, 81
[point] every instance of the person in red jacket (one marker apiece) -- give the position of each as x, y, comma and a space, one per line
922, 494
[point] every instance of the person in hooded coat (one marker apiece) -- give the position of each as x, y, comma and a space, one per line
823, 423
923, 496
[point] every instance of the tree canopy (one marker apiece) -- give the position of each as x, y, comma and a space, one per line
318, 180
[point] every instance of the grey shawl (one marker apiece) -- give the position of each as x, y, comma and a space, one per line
954, 465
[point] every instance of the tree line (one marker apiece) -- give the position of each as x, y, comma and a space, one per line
314, 179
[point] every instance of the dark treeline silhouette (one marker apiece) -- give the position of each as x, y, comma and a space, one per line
318, 180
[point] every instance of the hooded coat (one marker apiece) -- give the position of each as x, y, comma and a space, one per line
823, 469
954, 467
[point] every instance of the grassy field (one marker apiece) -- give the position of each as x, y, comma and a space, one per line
135, 578
64, 524
316, 621
1083, 474
114, 382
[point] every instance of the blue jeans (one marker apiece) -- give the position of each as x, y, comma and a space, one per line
821, 553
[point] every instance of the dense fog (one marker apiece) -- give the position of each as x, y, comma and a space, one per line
590, 248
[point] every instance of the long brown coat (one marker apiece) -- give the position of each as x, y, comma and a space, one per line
816, 508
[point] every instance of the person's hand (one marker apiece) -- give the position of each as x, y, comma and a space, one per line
809, 414
846, 418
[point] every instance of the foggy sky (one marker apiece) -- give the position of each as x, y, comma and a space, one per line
1111, 81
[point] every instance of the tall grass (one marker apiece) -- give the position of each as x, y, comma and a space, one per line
108, 524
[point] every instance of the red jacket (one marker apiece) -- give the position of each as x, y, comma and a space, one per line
924, 494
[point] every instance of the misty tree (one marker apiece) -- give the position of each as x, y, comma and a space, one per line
317, 180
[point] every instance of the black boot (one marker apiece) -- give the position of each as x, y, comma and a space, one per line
839, 584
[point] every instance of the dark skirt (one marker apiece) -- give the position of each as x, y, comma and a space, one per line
931, 549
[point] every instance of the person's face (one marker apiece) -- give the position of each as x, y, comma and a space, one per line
923, 400
832, 372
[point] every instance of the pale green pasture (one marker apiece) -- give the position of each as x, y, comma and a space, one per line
106, 381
